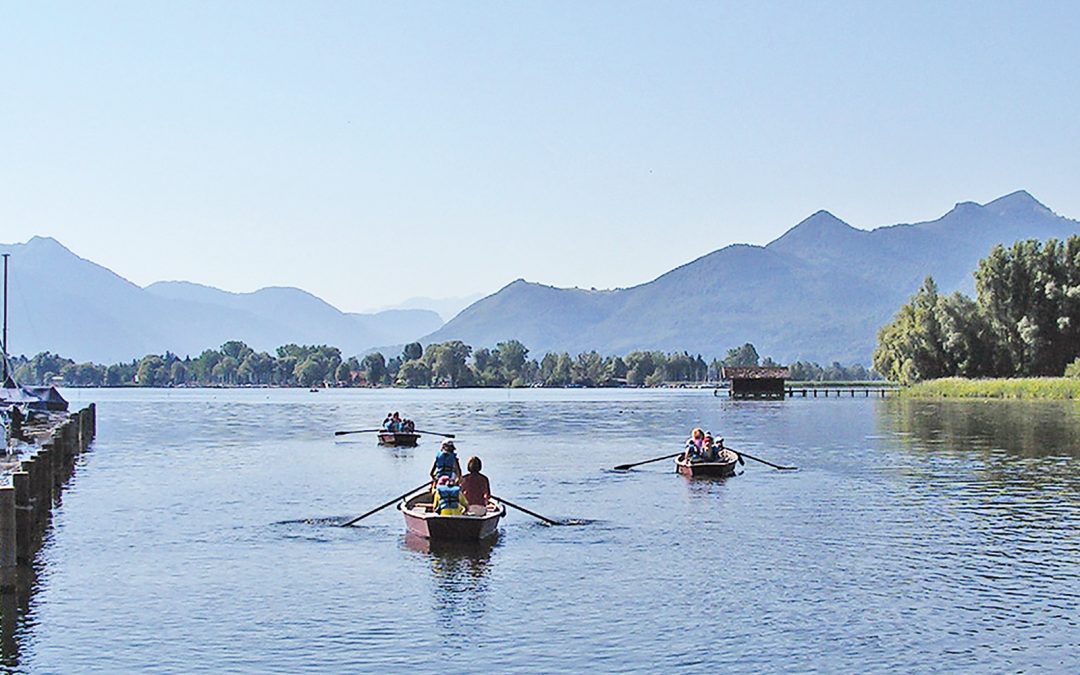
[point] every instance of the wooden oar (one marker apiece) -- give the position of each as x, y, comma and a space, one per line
756, 459
358, 431
422, 486
434, 433
549, 521
623, 467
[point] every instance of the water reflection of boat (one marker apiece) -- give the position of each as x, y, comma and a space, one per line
421, 521
478, 551
703, 469
398, 438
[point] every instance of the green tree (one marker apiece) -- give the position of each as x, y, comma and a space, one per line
412, 351
373, 368
414, 374
742, 356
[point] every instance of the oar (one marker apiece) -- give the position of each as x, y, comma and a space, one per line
358, 431
549, 521
434, 433
422, 486
756, 459
623, 467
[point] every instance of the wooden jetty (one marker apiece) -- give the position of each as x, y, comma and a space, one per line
837, 392
30, 485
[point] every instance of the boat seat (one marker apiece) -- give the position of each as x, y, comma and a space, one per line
477, 510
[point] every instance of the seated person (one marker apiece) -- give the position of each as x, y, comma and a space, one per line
694, 445
387, 423
476, 488
708, 450
446, 463
395, 423
448, 499
725, 455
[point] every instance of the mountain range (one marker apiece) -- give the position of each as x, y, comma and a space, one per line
819, 292
65, 304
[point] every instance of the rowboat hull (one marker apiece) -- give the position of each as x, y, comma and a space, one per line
705, 469
398, 438
423, 523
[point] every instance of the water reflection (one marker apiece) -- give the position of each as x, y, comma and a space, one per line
19, 585
460, 573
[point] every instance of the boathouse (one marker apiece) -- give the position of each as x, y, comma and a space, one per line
755, 381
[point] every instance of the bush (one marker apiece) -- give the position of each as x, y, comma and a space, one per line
1073, 369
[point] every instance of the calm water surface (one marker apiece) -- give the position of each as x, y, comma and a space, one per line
198, 536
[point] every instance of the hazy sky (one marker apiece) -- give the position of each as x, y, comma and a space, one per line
373, 152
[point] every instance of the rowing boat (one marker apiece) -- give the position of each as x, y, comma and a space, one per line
398, 438
699, 469
421, 521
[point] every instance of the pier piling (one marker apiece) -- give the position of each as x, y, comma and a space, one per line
37, 482
7, 539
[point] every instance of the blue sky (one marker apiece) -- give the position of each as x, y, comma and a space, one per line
369, 152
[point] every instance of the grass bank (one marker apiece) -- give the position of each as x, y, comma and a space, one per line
1056, 388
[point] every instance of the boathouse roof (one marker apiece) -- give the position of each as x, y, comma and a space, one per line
754, 373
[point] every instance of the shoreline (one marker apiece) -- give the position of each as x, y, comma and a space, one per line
1018, 388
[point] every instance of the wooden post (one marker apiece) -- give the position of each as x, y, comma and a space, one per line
30, 466
7, 539
24, 518
93, 421
46, 457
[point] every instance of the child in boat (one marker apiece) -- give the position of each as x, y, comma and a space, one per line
446, 463
448, 498
694, 445
708, 450
476, 488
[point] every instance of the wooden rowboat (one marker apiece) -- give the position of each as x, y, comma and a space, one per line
398, 438
420, 520
700, 469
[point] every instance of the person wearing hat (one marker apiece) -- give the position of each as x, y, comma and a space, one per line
448, 498
446, 463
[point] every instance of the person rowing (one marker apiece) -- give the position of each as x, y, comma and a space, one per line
476, 488
695, 446
446, 464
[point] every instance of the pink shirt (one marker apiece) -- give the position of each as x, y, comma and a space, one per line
476, 489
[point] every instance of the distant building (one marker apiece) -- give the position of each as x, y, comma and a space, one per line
755, 381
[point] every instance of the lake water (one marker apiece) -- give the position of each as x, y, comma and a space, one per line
198, 535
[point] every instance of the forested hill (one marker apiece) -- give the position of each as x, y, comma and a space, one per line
820, 292
65, 304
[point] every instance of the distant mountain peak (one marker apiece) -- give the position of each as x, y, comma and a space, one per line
1021, 200
821, 231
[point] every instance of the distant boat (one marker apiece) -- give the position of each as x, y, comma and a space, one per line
702, 469
405, 439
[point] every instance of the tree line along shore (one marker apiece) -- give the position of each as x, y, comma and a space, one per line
1018, 338
446, 364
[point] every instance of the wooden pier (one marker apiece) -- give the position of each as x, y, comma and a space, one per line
821, 391
837, 392
30, 486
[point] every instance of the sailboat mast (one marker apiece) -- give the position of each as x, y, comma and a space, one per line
4, 345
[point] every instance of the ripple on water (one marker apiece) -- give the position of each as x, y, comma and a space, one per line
201, 534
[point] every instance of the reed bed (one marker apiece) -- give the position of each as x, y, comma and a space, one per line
1055, 388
